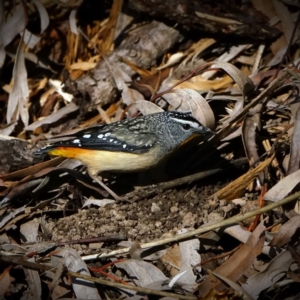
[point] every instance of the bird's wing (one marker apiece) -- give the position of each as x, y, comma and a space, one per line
106, 137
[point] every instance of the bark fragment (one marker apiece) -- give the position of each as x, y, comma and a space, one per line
143, 46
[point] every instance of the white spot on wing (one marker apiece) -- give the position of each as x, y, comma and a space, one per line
107, 134
87, 136
100, 136
76, 141
124, 146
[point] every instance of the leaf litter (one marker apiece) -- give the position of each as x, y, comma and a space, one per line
191, 230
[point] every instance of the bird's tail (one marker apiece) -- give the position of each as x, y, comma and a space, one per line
43, 151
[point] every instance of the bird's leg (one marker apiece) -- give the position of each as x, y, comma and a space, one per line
103, 185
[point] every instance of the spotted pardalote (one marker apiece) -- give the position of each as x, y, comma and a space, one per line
132, 144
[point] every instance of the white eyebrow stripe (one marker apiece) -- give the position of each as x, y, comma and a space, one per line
193, 124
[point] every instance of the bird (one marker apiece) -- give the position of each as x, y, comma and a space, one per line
130, 145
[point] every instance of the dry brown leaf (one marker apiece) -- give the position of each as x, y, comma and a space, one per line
172, 259
237, 264
294, 162
244, 83
14, 25
242, 234
273, 273
199, 107
54, 117
135, 251
235, 286
34, 282
225, 58
249, 140
196, 49
174, 100
73, 262
198, 83
18, 97
56, 290
4, 281
142, 273
285, 232
286, 19
29, 231
283, 187
142, 72
31, 39
83, 66
190, 257
268, 9
294, 274
249, 127
146, 107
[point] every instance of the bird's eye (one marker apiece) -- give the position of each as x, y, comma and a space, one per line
186, 126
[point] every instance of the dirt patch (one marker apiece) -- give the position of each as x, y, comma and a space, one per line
144, 220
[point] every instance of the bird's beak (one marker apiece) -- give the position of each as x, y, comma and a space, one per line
205, 132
